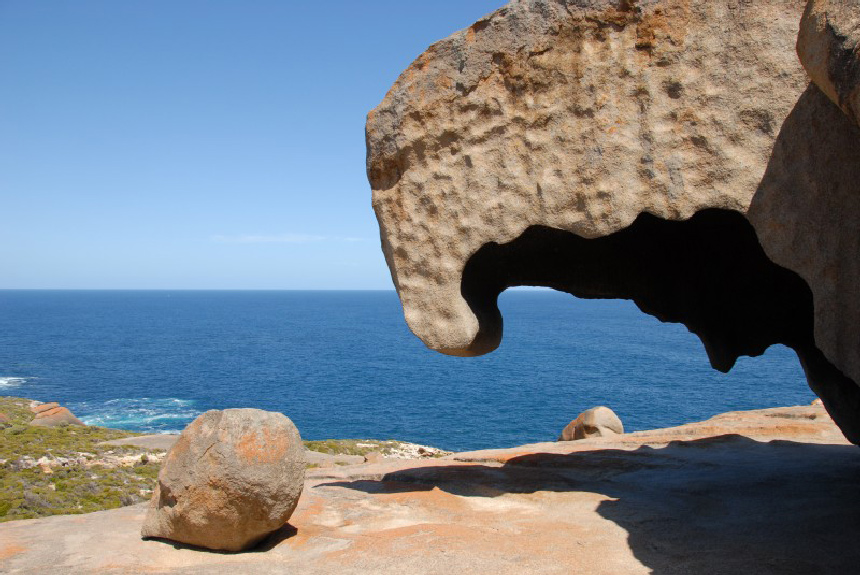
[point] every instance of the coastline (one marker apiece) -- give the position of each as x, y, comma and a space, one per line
629, 504
73, 469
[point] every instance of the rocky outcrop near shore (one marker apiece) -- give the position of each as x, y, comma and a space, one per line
767, 491
672, 153
52, 414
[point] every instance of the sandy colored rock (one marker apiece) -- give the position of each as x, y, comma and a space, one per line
598, 421
766, 491
828, 48
157, 441
672, 153
573, 117
232, 478
329, 460
374, 457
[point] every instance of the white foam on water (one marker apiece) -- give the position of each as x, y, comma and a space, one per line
8, 382
152, 415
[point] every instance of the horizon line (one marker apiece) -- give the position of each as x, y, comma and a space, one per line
196, 289
517, 288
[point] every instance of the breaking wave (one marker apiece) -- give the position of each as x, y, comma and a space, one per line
10, 382
144, 414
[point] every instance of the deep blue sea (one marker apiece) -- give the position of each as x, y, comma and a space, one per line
344, 365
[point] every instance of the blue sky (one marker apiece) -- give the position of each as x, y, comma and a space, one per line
198, 145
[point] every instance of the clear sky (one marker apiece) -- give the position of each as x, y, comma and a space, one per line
179, 144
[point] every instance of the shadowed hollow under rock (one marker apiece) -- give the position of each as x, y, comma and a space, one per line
708, 272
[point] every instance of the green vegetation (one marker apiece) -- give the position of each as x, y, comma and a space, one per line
349, 446
360, 446
76, 482
80, 476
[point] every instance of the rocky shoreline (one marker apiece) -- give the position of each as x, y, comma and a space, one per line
740, 489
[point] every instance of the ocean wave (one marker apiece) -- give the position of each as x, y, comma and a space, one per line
9, 382
144, 414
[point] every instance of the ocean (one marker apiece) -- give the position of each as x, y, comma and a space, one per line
343, 364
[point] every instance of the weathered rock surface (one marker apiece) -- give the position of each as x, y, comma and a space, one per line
598, 421
52, 414
768, 492
671, 152
575, 116
157, 441
232, 478
318, 459
828, 48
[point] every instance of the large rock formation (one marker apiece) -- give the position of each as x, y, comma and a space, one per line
670, 152
232, 478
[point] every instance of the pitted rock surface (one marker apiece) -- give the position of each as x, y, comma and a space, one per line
232, 478
577, 116
550, 138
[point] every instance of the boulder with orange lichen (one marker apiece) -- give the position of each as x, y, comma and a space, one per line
52, 414
232, 478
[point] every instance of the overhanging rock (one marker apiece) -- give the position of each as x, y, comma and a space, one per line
668, 152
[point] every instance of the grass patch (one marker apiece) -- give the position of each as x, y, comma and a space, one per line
354, 446
82, 485
349, 446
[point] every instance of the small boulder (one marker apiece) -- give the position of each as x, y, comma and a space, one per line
374, 457
232, 478
598, 421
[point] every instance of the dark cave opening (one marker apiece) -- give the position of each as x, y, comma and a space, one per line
709, 273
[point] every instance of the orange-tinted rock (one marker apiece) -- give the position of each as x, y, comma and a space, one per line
54, 415
39, 408
232, 478
768, 492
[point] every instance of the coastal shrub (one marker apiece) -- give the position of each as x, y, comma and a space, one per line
26, 491
352, 446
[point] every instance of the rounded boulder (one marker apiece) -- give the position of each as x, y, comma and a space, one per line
232, 478
598, 421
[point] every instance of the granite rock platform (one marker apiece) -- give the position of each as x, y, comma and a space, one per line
767, 491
